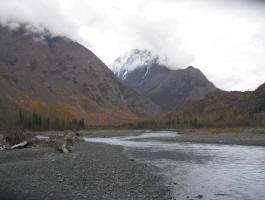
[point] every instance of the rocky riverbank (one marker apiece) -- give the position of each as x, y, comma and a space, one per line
251, 139
90, 171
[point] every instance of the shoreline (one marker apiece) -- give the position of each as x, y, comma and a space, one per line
226, 138
193, 136
95, 170
248, 139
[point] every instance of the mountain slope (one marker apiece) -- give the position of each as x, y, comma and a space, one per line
165, 87
59, 77
221, 109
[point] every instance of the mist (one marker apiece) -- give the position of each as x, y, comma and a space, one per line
225, 39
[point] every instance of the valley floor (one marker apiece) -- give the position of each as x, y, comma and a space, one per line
94, 170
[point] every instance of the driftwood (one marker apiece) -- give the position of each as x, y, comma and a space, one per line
17, 146
65, 144
64, 148
68, 141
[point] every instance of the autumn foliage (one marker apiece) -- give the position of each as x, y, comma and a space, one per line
220, 109
36, 116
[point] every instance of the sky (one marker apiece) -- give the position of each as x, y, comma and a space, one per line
225, 39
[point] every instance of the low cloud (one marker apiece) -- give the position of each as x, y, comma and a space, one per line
222, 38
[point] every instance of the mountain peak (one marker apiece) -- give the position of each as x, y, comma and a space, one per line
131, 60
166, 87
191, 67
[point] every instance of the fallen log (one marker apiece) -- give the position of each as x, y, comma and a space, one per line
64, 148
17, 146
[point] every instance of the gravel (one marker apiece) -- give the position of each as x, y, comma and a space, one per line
91, 171
252, 139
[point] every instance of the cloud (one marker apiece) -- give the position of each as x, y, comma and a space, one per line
225, 39
50, 14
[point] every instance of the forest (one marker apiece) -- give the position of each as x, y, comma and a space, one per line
55, 117
220, 109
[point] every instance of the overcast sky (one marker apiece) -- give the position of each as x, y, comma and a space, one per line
223, 38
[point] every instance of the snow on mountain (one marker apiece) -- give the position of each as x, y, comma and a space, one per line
131, 60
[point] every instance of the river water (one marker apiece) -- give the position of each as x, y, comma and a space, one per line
193, 170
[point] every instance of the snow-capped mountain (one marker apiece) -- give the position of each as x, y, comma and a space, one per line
131, 60
144, 72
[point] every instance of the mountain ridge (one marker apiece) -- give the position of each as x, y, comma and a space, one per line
60, 73
164, 86
221, 109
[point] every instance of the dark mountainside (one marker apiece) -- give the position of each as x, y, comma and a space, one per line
59, 78
168, 88
221, 109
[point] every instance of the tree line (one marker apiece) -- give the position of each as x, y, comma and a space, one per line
11, 116
35, 121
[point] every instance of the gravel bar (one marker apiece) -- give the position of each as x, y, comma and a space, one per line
91, 171
250, 139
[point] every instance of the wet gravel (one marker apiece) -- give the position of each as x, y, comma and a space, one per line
251, 139
91, 171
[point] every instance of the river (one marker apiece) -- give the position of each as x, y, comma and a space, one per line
199, 171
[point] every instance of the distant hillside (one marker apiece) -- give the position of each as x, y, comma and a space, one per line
221, 109
167, 88
56, 77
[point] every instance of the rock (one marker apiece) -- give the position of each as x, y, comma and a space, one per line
77, 134
200, 196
